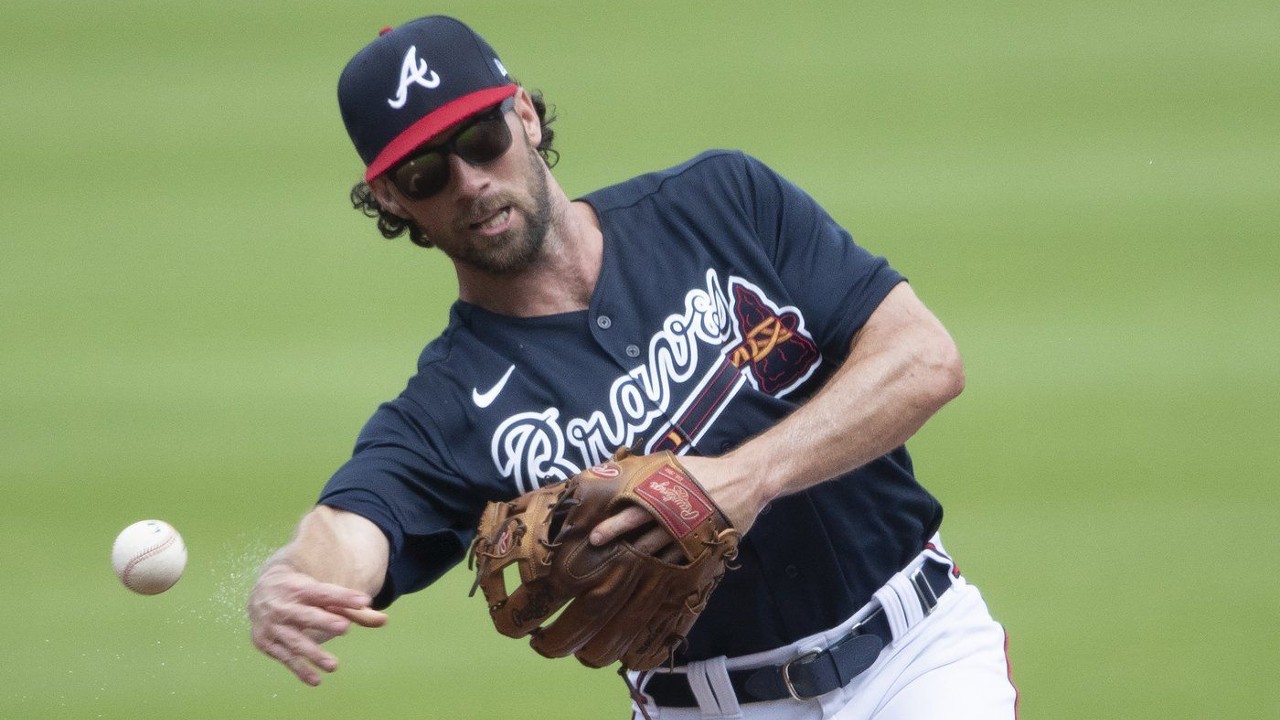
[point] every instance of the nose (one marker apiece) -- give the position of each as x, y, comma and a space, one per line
468, 181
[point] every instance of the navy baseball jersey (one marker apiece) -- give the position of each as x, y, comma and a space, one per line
726, 298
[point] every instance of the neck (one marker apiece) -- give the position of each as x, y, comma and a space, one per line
561, 280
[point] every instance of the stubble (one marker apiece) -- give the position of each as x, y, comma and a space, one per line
518, 248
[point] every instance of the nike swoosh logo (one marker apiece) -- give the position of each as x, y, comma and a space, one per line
485, 399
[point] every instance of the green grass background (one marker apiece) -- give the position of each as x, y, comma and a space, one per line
194, 325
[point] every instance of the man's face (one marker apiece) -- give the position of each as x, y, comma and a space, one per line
492, 217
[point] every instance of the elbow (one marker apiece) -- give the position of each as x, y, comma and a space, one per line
943, 370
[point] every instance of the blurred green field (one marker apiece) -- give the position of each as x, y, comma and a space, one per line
195, 324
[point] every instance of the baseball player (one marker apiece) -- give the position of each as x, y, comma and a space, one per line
711, 310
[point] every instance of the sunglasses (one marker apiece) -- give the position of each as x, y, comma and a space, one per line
482, 141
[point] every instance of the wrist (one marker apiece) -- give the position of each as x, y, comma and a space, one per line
747, 480
758, 473
278, 563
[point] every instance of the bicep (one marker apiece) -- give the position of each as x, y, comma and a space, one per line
900, 310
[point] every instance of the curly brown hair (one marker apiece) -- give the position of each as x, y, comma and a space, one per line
393, 226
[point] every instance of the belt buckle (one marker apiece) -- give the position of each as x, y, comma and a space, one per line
786, 674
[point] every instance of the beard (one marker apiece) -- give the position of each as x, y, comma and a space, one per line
517, 248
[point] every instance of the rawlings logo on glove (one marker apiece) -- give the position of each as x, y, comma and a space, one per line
671, 500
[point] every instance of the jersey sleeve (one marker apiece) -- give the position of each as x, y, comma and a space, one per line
837, 283
398, 477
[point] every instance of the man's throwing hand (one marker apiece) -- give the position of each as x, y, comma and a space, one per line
292, 613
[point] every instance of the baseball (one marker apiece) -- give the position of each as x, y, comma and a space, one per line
149, 556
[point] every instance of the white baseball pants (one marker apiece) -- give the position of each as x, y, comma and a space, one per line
951, 664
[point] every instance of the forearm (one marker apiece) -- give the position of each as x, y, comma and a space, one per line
898, 374
337, 547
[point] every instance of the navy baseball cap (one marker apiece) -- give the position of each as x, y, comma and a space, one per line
414, 82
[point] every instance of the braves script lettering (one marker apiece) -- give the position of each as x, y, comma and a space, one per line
529, 448
413, 71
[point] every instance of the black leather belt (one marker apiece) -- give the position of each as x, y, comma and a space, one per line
818, 672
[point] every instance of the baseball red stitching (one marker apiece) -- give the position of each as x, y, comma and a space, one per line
128, 568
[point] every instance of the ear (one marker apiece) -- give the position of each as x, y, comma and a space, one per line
528, 115
387, 196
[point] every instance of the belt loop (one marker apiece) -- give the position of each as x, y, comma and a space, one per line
891, 605
701, 688
709, 681
908, 599
718, 679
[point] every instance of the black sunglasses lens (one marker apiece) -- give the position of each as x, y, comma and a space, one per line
423, 176
483, 142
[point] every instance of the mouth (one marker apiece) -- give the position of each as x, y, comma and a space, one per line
495, 223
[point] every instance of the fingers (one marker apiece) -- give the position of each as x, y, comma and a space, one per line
292, 614
363, 616
657, 542
622, 523
654, 541
303, 657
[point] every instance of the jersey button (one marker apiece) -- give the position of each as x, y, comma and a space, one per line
604, 322
633, 351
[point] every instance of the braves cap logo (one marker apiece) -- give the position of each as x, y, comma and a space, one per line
413, 71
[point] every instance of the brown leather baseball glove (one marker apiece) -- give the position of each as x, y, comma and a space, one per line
633, 599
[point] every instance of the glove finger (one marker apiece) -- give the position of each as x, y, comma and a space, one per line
586, 614
525, 610
653, 651
672, 622
630, 627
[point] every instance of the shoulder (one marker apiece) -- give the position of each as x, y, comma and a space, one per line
448, 367
711, 173
433, 400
